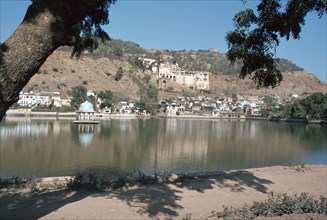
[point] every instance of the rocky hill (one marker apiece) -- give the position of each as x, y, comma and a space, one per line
97, 71
61, 72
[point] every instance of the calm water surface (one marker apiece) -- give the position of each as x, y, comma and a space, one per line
55, 148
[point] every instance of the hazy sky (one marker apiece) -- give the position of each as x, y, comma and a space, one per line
190, 25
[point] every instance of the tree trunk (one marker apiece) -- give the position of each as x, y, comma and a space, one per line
23, 54
47, 25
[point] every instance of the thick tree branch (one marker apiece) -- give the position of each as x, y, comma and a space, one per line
47, 25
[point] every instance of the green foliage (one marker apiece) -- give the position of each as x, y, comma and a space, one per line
229, 91
256, 36
276, 205
82, 21
46, 108
146, 79
66, 108
270, 101
286, 65
92, 100
137, 62
89, 29
79, 96
115, 48
186, 94
312, 107
119, 73
107, 98
127, 46
148, 99
315, 106
41, 108
297, 111
118, 52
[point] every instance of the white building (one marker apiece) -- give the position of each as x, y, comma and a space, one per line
26, 99
148, 62
197, 79
30, 99
90, 93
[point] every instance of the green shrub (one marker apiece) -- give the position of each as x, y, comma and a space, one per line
276, 205
119, 74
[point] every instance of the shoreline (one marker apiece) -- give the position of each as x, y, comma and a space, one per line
196, 197
162, 178
103, 116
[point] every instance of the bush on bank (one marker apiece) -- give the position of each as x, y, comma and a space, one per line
276, 205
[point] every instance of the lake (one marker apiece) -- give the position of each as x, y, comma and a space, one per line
39, 148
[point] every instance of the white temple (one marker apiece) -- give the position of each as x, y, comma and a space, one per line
85, 112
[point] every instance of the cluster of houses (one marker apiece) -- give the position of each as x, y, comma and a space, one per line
55, 99
200, 105
30, 99
220, 106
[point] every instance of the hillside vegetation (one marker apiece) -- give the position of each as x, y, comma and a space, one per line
205, 60
98, 71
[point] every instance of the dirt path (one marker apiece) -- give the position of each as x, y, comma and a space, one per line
166, 201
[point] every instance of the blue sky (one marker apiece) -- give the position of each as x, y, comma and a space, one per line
190, 25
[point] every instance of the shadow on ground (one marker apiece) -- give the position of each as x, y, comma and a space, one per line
149, 200
236, 181
26, 205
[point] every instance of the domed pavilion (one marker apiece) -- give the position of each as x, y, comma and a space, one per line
85, 112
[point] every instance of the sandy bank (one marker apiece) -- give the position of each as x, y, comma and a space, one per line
199, 197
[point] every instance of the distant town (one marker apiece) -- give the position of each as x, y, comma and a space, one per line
205, 104
200, 105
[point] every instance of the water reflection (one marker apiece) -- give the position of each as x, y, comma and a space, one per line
85, 134
52, 148
24, 130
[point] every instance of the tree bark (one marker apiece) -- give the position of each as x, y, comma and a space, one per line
23, 54
47, 25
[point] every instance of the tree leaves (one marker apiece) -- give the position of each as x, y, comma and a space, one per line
82, 21
256, 37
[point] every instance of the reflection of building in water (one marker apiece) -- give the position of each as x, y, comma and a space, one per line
85, 139
24, 130
171, 125
236, 130
125, 125
56, 128
85, 134
178, 147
